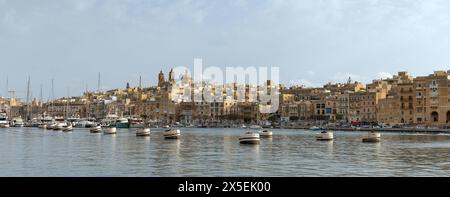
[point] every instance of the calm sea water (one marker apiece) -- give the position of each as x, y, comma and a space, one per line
217, 152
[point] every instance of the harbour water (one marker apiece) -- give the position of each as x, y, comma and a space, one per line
217, 152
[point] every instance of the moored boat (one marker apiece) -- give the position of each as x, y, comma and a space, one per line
314, 128
68, 128
110, 130
17, 122
265, 134
249, 138
172, 134
96, 129
4, 123
143, 132
325, 135
122, 123
372, 137
255, 127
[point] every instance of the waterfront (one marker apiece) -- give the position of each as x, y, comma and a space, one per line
217, 152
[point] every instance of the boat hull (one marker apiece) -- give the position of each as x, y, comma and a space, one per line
110, 131
324, 136
371, 140
249, 140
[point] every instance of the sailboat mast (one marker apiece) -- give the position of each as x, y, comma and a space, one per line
7, 85
53, 97
98, 83
28, 99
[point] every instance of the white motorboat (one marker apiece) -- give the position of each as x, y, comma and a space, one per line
249, 138
51, 126
96, 129
265, 134
143, 132
314, 128
60, 124
255, 127
17, 122
325, 135
85, 124
243, 126
68, 128
166, 126
4, 123
110, 130
172, 134
372, 137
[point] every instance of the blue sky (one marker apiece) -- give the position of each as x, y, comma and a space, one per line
312, 41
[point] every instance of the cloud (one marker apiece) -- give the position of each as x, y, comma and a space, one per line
343, 77
384, 75
330, 40
303, 82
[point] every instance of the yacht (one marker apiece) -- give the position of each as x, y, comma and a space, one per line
17, 122
255, 127
110, 130
314, 128
136, 123
96, 129
143, 132
46, 122
265, 134
60, 124
325, 135
85, 124
68, 128
249, 138
122, 123
4, 123
372, 137
172, 134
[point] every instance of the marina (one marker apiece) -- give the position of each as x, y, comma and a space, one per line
28, 151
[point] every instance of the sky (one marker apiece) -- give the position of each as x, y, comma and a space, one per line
312, 41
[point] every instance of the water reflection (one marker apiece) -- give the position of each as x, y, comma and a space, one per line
217, 152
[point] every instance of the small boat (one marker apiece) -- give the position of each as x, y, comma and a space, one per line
143, 132
59, 126
243, 126
372, 137
314, 128
324, 135
96, 129
249, 138
4, 125
265, 134
50, 126
68, 128
122, 123
110, 130
17, 122
42, 126
172, 134
166, 126
255, 127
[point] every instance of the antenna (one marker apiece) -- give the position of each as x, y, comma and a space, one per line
140, 82
40, 95
53, 90
28, 99
7, 85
